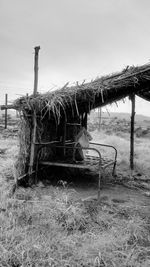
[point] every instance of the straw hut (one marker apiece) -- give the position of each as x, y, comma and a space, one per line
58, 115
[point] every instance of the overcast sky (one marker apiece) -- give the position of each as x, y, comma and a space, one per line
79, 39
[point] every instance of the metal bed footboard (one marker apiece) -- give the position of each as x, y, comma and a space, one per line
114, 161
74, 163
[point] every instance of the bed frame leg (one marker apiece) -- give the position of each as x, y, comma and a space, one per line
99, 185
114, 171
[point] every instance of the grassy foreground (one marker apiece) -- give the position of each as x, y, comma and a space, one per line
64, 232
61, 231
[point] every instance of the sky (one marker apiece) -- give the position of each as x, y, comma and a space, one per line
79, 40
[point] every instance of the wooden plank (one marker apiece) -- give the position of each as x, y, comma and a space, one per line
62, 164
132, 97
3, 107
84, 165
70, 165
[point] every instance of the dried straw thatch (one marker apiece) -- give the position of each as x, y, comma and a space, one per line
86, 96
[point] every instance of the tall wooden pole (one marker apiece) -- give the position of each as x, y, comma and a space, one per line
33, 137
6, 116
36, 68
132, 97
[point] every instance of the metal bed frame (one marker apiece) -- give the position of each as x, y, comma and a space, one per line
99, 163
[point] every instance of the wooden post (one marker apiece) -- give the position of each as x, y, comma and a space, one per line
99, 118
6, 115
64, 135
84, 120
33, 137
36, 68
132, 97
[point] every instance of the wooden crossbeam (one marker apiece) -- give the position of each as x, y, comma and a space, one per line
4, 107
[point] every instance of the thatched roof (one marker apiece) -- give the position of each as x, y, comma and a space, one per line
86, 96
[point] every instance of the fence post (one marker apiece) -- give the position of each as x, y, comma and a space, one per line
6, 117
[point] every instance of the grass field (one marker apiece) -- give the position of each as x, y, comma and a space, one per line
50, 226
122, 143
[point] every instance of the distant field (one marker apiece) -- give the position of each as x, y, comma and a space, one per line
122, 143
140, 120
119, 124
126, 116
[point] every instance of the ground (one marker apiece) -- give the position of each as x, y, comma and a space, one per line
63, 225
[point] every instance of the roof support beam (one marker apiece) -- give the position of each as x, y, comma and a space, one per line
132, 97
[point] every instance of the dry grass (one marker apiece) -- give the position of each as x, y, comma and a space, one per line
60, 231
122, 144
